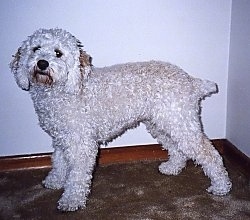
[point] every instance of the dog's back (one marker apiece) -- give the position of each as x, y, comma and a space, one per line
152, 77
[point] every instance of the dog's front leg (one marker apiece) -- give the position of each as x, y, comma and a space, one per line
81, 159
56, 177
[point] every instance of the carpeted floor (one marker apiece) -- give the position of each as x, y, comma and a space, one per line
128, 191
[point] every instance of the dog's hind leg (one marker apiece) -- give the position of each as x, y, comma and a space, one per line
195, 145
212, 165
177, 160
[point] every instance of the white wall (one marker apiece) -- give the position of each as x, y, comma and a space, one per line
238, 116
193, 34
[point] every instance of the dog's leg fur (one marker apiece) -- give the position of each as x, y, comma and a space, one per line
213, 167
81, 159
176, 162
189, 142
195, 145
56, 177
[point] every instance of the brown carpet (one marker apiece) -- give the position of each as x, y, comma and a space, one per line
128, 191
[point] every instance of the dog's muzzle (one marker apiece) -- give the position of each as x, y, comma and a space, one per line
42, 73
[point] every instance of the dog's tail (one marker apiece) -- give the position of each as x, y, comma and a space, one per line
206, 87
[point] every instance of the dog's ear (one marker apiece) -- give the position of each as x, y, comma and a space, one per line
17, 69
85, 64
85, 60
78, 77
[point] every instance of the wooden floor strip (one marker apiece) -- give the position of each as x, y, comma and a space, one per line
133, 153
121, 155
34, 161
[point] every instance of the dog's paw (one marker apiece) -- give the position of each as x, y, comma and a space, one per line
169, 168
71, 203
220, 189
53, 182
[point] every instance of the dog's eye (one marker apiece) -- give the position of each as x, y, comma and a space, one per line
58, 53
36, 48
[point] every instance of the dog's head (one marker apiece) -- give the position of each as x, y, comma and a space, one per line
51, 57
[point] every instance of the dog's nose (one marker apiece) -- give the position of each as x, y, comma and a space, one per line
42, 64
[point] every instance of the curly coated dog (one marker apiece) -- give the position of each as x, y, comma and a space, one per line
82, 107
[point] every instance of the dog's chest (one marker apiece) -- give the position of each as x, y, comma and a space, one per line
56, 114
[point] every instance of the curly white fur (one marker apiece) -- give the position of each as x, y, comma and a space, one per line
81, 107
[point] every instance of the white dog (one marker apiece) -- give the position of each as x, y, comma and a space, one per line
81, 107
